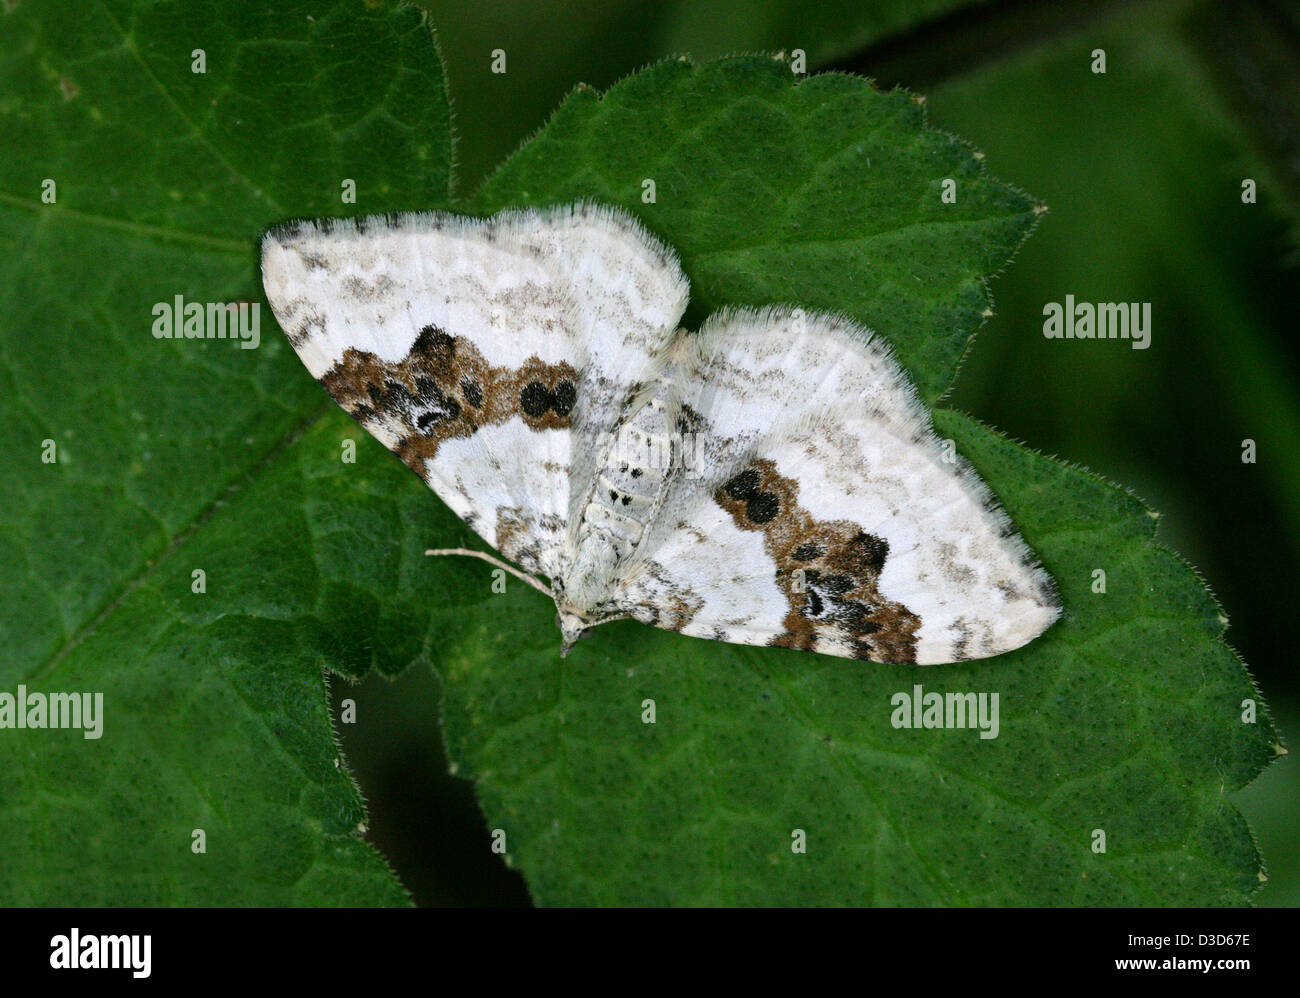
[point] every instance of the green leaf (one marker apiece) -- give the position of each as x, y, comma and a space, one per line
179, 455
1124, 718
184, 455
824, 194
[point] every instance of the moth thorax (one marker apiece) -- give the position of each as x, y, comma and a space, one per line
589, 579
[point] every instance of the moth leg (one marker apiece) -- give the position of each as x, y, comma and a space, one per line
498, 563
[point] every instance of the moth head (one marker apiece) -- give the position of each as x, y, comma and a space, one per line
572, 626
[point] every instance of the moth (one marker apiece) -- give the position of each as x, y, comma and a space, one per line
770, 479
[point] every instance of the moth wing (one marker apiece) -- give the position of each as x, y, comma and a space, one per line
486, 353
822, 512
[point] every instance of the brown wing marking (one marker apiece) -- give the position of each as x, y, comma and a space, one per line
444, 389
828, 569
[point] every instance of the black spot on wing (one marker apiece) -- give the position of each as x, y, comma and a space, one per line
762, 507
435, 344
535, 399
563, 397
868, 552
434, 407
743, 486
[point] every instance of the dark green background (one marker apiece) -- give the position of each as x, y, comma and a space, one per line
1142, 170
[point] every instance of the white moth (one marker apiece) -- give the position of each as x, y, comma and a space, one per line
770, 479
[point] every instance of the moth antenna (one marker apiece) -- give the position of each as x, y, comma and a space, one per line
499, 564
